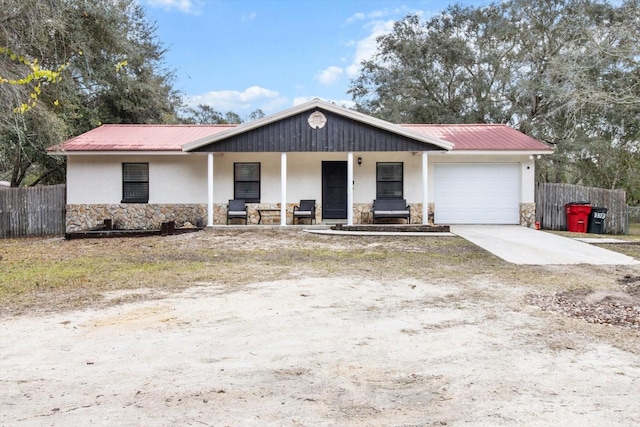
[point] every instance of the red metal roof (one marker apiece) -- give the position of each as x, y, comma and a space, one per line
474, 137
139, 137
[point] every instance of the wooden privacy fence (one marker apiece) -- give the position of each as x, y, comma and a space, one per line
32, 211
551, 199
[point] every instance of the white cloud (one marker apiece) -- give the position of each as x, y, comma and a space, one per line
272, 105
381, 14
376, 23
302, 99
378, 14
373, 24
374, 14
348, 103
356, 17
255, 92
244, 102
366, 47
249, 17
330, 75
185, 6
341, 103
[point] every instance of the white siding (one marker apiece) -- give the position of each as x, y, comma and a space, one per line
183, 178
304, 175
172, 179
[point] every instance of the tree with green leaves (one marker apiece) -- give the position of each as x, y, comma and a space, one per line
564, 71
66, 66
454, 68
206, 114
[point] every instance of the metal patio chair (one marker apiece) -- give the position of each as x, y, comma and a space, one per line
306, 209
237, 209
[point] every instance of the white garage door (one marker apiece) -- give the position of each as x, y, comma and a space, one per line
472, 193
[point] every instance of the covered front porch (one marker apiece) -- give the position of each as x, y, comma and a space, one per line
282, 180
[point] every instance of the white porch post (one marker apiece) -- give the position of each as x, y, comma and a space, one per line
350, 188
210, 190
283, 189
425, 187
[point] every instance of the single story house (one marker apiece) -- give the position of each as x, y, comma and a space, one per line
142, 175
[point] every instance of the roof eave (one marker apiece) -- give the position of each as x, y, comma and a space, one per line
118, 153
503, 152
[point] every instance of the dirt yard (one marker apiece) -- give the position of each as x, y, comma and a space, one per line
268, 327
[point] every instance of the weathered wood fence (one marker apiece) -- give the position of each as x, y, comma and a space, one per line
551, 199
32, 211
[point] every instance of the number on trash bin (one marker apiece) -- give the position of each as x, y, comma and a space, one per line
599, 215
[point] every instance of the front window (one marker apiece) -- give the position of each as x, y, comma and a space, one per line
246, 178
389, 180
135, 182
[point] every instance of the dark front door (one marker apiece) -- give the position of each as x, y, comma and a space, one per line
334, 190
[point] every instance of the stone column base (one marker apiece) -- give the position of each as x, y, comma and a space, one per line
527, 214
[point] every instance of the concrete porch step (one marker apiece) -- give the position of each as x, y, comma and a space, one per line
393, 228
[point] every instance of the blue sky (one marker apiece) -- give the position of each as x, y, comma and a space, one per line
241, 55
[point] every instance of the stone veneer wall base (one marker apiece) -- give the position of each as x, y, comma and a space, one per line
133, 216
142, 216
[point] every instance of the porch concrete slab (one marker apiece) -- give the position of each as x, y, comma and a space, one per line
600, 240
378, 233
521, 245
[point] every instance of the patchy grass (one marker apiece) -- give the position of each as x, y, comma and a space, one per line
54, 274
631, 249
634, 234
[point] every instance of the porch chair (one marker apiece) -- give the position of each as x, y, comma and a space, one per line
307, 209
237, 209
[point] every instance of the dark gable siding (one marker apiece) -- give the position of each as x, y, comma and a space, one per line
293, 134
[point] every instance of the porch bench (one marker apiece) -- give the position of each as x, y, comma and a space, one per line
391, 208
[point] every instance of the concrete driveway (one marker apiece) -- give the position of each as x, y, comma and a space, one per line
520, 245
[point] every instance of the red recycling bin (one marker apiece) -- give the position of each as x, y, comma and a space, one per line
577, 216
